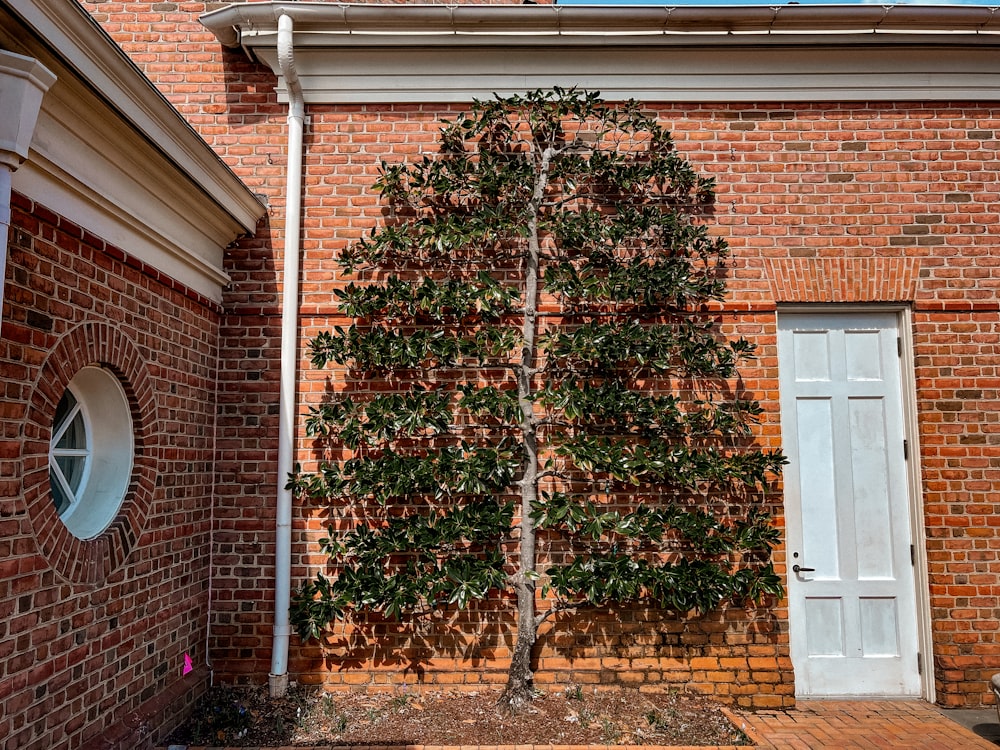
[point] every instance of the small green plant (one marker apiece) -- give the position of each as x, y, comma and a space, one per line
574, 693
400, 701
610, 732
327, 707
660, 722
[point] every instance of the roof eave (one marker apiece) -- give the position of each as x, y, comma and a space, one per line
230, 24
85, 47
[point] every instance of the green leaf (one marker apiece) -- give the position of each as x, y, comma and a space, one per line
461, 375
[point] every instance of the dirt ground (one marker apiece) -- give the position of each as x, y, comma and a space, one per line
246, 717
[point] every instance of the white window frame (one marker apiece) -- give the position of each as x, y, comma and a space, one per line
108, 452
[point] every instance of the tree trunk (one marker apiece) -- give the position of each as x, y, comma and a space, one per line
520, 688
520, 680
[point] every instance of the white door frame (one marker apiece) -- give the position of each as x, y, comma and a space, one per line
908, 392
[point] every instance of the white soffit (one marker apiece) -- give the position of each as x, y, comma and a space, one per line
89, 167
347, 53
112, 155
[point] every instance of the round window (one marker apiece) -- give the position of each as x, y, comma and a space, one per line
90, 456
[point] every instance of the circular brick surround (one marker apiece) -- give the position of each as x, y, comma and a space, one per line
90, 561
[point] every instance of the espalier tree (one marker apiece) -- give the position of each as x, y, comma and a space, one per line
554, 415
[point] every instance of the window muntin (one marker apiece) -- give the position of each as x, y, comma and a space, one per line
70, 455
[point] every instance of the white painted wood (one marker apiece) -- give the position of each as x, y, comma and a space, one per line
407, 52
65, 38
110, 154
853, 626
360, 69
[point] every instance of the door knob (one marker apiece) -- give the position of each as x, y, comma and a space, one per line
800, 569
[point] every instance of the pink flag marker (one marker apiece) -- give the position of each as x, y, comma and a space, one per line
188, 666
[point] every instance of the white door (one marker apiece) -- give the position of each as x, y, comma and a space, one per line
852, 602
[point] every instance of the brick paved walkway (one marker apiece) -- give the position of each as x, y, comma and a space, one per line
852, 725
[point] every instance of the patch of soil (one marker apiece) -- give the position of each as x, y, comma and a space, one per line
247, 717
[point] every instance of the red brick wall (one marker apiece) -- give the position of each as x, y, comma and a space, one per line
902, 189
957, 357
232, 104
853, 203
93, 634
735, 655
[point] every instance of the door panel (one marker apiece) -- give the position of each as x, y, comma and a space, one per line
852, 606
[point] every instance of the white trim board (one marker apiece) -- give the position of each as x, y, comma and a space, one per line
111, 155
359, 74
85, 49
436, 53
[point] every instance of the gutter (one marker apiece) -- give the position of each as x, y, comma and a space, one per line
232, 23
278, 679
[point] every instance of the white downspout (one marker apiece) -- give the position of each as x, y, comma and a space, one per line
23, 82
6, 170
278, 681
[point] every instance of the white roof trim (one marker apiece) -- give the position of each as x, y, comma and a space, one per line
229, 24
356, 53
83, 45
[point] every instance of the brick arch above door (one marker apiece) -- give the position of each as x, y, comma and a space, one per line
829, 280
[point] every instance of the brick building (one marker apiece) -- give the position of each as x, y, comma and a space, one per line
855, 154
112, 311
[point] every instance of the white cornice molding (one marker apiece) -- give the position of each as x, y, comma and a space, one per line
407, 53
88, 166
697, 74
71, 36
64, 194
110, 154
